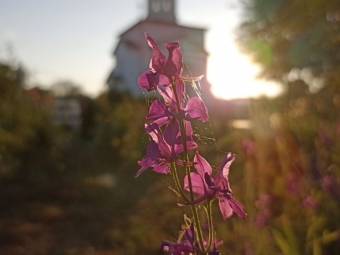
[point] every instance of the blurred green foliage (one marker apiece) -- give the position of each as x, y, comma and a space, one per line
23, 126
68, 192
286, 34
292, 159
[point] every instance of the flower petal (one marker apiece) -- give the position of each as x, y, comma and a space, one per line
158, 60
191, 144
225, 207
150, 159
201, 165
196, 109
209, 181
163, 80
164, 148
161, 167
174, 63
225, 165
157, 110
179, 95
176, 248
189, 234
165, 92
171, 133
148, 80
152, 151
145, 163
156, 124
197, 183
237, 207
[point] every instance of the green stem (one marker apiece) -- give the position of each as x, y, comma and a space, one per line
198, 226
177, 183
187, 168
210, 224
184, 138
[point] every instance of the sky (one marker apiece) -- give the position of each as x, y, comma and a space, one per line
74, 40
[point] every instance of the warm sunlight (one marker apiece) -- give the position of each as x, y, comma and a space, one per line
233, 76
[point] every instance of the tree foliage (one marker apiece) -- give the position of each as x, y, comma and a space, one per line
294, 172
25, 126
283, 35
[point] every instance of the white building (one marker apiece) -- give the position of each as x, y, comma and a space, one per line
67, 113
133, 53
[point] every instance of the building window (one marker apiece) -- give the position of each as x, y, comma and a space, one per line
166, 5
156, 6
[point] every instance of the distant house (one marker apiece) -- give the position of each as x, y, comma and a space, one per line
133, 54
68, 113
40, 97
75, 113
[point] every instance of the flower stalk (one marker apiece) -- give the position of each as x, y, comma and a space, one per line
187, 168
169, 124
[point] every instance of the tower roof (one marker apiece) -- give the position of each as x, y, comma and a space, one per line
161, 10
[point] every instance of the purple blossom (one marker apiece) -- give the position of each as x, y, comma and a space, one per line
217, 187
310, 202
293, 183
331, 185
262, 218
185, 247
264, 201
265, 213
177, 248
214, 251
249, 147
161, 113
165, 147
160, 67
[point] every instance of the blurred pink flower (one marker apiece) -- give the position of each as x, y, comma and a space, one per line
310, 202
263, 218
293, 183
265, 213
264, 201
331, 185
248, 146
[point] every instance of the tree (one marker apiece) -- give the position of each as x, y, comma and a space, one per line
299, 35
295, 171
27, 135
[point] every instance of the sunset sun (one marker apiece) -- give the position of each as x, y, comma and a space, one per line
232, 75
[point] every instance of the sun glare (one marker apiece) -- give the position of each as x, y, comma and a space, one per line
233, 76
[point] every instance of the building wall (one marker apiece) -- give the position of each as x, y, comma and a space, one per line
67, 113
133, 54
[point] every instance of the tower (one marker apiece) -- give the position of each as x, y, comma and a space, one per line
132, 53
161, 10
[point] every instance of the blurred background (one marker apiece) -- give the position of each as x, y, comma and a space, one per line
72, 123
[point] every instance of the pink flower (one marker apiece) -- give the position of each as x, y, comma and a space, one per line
161, 113
203, 184
265, 213
249, 147
187, 247
263, 217
310, 202
165, 147
331, 185
293, 183
160, 67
